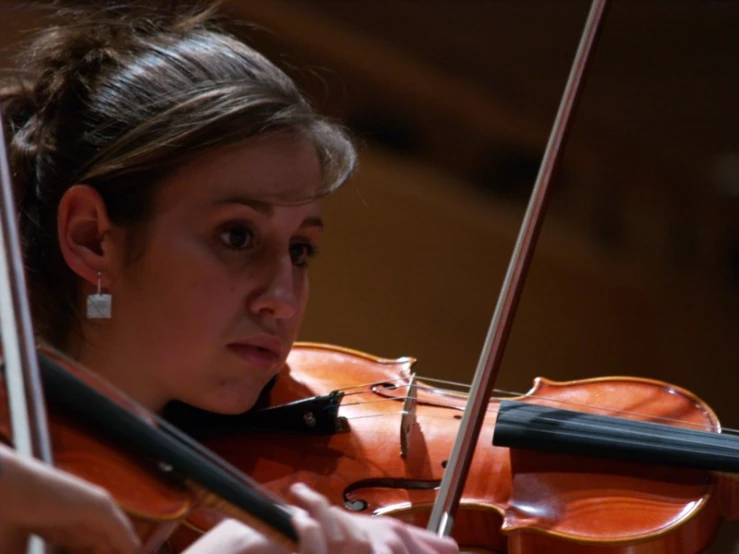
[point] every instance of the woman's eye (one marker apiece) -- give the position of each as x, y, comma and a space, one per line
302, 252
237, 237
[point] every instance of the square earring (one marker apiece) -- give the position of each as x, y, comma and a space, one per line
99, 305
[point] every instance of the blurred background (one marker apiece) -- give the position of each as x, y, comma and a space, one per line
637, 268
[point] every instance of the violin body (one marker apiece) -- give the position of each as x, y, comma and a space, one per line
514, 501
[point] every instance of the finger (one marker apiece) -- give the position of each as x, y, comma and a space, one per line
356, 528
235, 538
441, 545
102, 549
344, 532
122, 535
309, 532
117, 529
423, 541
391, 537
77, 540
319, 508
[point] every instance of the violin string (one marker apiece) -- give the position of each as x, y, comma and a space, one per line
399, 412
593, 427
596, 428
363, 402
353, 393
369, 385
655, 419
445, 382
515, 394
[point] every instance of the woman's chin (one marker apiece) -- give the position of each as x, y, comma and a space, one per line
232, 402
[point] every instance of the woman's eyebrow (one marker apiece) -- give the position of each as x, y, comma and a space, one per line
266, 209
313, 221
260, 206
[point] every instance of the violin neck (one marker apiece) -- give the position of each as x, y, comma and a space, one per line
530, 426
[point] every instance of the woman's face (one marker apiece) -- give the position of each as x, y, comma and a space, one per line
210, 309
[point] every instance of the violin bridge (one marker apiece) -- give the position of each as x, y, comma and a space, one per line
408, 417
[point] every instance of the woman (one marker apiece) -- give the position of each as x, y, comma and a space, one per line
170, 181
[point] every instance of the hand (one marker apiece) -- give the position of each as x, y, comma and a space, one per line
62, 509
342, 531
323, 529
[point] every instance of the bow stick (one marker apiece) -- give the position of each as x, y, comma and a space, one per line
455, 475
25, 395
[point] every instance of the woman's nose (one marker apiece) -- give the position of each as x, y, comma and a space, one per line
277, 290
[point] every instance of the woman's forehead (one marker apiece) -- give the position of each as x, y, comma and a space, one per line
277, 169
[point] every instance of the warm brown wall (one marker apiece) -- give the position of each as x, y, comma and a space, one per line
412, 265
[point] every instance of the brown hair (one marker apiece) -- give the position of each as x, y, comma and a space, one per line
117, 104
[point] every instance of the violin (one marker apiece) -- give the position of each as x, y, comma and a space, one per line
156, 475
382, 448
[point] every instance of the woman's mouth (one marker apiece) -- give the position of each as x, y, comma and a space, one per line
262, 351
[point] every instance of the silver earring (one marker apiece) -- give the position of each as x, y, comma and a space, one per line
99, 304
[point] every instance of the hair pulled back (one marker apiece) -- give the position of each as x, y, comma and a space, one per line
116, 101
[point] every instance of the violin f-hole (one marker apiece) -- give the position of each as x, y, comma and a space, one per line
360, 505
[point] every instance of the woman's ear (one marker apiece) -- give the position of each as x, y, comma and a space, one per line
85, 235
